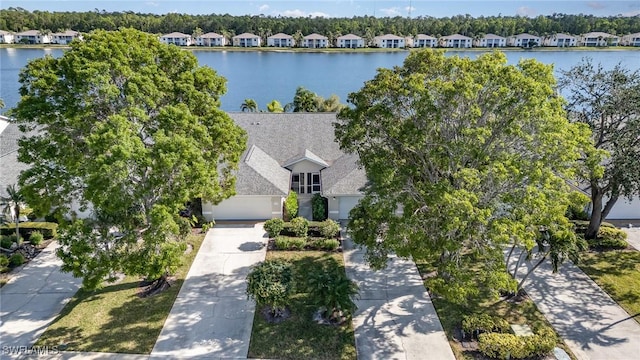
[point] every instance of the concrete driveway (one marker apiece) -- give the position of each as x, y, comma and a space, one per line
212, 317
633, 237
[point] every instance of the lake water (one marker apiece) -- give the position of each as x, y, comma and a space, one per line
265, 76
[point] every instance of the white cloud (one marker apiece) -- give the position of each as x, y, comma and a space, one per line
410, 8
301, 13
391, 11
631, 13
152, 3
526, 11
596, 5
263, 8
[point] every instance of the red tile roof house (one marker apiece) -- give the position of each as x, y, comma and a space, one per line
306, 160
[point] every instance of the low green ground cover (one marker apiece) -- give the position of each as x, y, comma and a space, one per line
299, 337
115, 319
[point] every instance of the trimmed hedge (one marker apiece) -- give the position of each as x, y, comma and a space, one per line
16, 259
36, 238
273, 227
505, 346
48, 229
290, 243
484, 323
300, 226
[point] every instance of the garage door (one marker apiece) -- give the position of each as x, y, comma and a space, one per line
623, 209
346, 204
243, 208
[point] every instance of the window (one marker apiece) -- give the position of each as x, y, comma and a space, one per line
306, 183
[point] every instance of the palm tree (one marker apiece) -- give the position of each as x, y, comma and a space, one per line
249, 105
11, 205
275, 107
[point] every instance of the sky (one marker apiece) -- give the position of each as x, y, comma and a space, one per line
342, 8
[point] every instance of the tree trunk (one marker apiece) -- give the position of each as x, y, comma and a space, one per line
515, 271
596, 213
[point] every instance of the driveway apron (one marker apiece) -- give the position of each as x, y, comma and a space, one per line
212, 317
395, 318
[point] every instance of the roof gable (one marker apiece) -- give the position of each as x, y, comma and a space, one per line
308, 156
267, 177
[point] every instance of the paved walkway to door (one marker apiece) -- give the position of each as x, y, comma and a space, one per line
212, 317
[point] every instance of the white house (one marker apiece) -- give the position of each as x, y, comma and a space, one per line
631, 39
490, 41
246, 40
309, 162
599, 39
281, 40
211, 39
389, 41
524, 40
176, 38
315, 41
32, 37
422, 40
6, 37
560, 40
455, 41
350, 41
65, 37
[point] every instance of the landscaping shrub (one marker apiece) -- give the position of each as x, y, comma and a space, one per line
503, 346
4, 262
16, 259
48, 229
271, 283
291, 206
207, 225
319, 207
290, 243
36, 238
329, 229
334, 292
5, 241
329, 244
273, 227
611, 233
609, 238
300, 226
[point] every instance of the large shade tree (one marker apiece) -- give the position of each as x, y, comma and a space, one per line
608, 101
464, 157
131, 130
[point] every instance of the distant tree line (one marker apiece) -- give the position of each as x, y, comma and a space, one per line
18, 19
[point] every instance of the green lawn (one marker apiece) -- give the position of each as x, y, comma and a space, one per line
299, 337
618, 273
451, 315
114, 319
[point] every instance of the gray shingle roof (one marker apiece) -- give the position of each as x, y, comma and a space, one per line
10, 167
306, 155
267, 176
344, 177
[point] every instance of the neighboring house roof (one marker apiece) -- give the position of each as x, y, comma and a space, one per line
265, 175
344, 177
564, 36
315, 36
456, 37
176, 35
280, 36
3, 32
9, 164
492, 36
525, 36
290, 137
29, 33
66, 33
389, 37
246, 36
210, 35
424, 37
349, 37
597, 34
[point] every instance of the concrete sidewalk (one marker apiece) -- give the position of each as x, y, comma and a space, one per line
633, 237
590, 322
395, 317
212, 317
33, 298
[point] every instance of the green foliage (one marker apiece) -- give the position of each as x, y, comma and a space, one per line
275, 107
249, 105
475, 152
484, 323
503, 346
273, 227
291, 206
208, 225
36, 238
48, 229
4, 263
12, 205
577, 206
132, 127
290, 243
334, 292
318, 207
329, 244
271, 283
300, 226
609, 238
5, 241
329, 229
16, 259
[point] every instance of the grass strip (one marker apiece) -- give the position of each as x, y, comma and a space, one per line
618, 273
299, 337
115, 319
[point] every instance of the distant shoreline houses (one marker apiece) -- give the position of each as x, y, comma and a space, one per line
351, 41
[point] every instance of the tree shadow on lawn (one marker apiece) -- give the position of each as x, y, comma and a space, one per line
614, 262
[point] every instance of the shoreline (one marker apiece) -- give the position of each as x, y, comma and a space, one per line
347, 50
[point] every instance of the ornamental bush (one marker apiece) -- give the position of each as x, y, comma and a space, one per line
16, 259
291, 206
329, 229
5, 242
4, 262
329, 244
300, 226
504, 346
290, 243
319, 207
271, 283
334, 292
273, 227
36, 238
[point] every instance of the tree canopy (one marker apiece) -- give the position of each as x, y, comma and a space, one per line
131, 130
463, 157
608, 101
